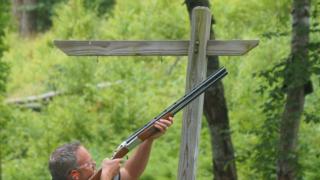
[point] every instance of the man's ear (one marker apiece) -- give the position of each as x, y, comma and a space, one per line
74, 175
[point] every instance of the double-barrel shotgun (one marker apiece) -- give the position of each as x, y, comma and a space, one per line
148, 130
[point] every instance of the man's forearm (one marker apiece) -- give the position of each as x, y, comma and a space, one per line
138, 162
135, 166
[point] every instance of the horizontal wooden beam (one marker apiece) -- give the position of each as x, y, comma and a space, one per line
43, 97
152, 48
231, 47
34, 99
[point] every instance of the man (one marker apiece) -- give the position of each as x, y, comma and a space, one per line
73, 161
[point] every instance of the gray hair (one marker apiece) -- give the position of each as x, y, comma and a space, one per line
63, 160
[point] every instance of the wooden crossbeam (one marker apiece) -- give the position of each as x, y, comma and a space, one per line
152, 48
35, 102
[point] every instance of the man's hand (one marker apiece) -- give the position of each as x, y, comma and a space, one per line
162, 125
110, 168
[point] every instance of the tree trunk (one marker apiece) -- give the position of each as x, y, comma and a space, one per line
16, 9
216, 112
295, 78
25, 14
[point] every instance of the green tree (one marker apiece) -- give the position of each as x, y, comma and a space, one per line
101, 7
288, 83
4, 69
34, 16
45, 12
140, 87
4, 18
297, 75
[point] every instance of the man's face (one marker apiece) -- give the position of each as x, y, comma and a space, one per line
85, 162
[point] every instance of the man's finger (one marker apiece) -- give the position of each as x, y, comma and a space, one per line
166, 122
170, 118
118, 160
160, 127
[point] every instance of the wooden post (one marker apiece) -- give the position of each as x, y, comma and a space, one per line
196, 72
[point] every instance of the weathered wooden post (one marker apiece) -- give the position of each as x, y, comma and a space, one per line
196, 72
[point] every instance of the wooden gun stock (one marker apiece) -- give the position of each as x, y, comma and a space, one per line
149, 130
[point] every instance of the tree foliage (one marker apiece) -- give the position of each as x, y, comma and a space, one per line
279, 79
4, 18
140, 87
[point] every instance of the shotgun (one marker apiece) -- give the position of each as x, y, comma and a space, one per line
148, 130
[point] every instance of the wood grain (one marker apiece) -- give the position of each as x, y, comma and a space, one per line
152, 48
196, 73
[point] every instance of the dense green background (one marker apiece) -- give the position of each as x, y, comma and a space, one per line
142, 86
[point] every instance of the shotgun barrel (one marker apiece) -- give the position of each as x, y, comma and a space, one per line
148, 130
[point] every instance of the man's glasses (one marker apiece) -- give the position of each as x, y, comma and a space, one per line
90, 164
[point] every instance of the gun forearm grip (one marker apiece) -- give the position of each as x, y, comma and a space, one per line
152, 130
97, 175
147, 133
